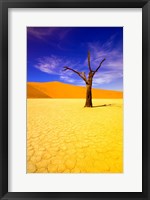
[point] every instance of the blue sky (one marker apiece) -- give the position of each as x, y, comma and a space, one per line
49, 49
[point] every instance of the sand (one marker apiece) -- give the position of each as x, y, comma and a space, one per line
65, 137
64, 90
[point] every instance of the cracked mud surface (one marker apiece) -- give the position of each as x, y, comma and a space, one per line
65, 137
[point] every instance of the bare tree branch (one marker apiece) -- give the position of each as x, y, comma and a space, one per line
81, 74
89, 64
88, 80
99, 66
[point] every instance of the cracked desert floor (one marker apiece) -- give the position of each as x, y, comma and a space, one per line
65, 137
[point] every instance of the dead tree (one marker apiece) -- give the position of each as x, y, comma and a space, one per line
88, 80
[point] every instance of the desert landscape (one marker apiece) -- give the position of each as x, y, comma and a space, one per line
65, 137
62, 90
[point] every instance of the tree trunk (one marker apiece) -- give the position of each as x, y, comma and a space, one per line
88, 102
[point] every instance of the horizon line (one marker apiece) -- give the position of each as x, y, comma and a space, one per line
72, 85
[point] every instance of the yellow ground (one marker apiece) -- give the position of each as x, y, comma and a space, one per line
64, 137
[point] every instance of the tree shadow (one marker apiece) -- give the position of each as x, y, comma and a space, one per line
104, 105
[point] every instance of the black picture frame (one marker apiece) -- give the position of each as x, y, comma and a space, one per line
4, 6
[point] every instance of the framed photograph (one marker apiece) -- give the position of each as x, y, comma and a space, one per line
74, 99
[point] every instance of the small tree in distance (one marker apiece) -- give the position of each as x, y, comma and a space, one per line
88, 80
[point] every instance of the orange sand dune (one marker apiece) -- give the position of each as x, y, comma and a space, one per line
62, 90
34, 92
